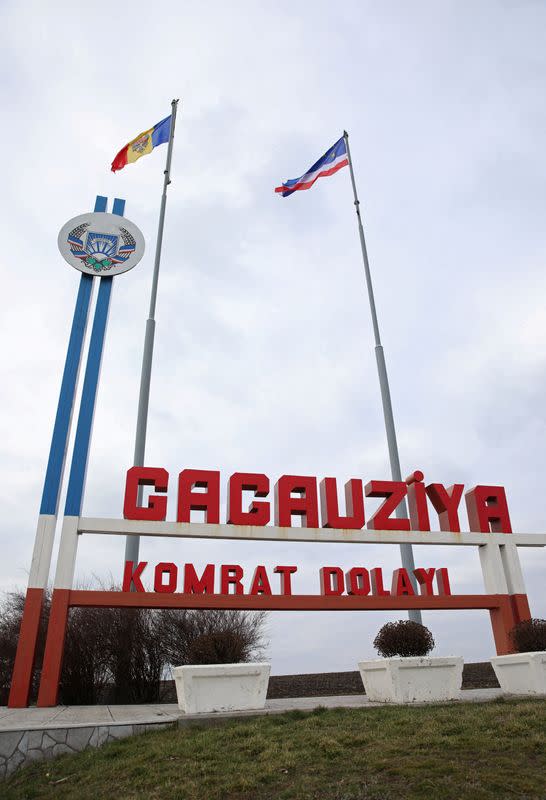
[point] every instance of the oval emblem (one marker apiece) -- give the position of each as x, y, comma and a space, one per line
101, 244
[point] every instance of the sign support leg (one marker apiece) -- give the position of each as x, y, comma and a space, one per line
502, 622
49, 682
56, 633
45, 533
58, 615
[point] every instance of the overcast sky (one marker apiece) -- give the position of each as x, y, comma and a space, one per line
264, 354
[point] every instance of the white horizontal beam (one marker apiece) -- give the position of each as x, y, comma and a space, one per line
272, 533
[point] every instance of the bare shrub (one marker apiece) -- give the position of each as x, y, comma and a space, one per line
11, 613
221, 647
529, 636
403, 638
136, 655
212, 636
85, 670
122, 654
118, 649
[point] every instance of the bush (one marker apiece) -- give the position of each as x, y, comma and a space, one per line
529, 636
403, 638
11, 612
121, 655
136, 655
85, 670
219, 647
213, 636
85, 664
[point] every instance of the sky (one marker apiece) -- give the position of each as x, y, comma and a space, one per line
264, 355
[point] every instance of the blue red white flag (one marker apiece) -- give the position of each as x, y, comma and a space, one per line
334, 159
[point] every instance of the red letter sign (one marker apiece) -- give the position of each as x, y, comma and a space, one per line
170, 569
354, 501
195, 585
304, 506
488, 510
286, 580
260, 582
417, 502
376, 576
258, 513
132, 576
442, 581
394, 491
358, 581
446, 502
401, 584
424, 579
329, 576
208, 501
231, 575
156, 509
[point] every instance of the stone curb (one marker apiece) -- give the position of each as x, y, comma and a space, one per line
21, 747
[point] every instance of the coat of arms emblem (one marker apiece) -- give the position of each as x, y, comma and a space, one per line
100, 251
140, 145
101, 244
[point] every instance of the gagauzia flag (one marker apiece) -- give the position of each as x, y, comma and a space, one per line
143, 144
335, 158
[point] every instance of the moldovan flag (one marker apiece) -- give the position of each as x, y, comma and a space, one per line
143, 144
335, 158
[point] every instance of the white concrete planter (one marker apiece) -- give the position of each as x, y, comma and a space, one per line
412, 680
521, 673
221, 687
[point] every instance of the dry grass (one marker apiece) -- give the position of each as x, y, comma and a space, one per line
454, 752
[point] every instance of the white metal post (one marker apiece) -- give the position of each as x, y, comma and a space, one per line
132, 543
405, 549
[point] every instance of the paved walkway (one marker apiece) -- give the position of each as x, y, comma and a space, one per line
12, 719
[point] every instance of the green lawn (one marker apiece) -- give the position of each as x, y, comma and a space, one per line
474, 751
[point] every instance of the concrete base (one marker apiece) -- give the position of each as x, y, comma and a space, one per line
521, 673
203, 688
412, 680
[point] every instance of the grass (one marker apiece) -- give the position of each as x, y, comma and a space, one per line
453, 752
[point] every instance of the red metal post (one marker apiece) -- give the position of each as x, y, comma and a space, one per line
53, 654
26, 649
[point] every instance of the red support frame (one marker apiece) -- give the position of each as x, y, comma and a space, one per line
26, 649
54, 648
505, 611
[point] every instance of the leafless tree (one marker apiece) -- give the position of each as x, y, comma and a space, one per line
121, 655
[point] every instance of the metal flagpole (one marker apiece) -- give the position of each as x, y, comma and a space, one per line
132, 542
405, 549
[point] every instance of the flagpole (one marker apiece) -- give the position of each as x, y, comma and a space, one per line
132, 543
405, 549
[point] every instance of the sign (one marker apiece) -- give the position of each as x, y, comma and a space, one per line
316, 504
230, 579
101, 244
296, 508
